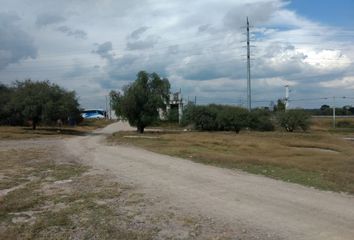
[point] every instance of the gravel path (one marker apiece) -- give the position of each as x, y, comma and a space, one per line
259, 207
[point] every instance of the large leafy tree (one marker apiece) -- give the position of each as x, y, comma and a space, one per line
141, 101
42, 102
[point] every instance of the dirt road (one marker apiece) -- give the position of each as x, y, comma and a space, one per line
262, 207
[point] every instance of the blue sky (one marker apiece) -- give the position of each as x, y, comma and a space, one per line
94, 46
338, 13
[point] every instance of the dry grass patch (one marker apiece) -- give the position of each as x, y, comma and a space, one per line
44, 198
344, 125
320, 160
18, 133
50, 196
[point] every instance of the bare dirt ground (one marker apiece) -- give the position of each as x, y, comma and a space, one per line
48, 193
225, 204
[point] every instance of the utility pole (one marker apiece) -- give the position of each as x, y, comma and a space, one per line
106, 107
249, 101
180, 106
334, 112
286, 97
110, 107
195, 100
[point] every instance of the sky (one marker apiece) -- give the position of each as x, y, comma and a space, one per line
95, 46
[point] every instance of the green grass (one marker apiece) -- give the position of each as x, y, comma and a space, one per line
317, 159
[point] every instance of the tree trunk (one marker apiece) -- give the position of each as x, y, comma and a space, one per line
140, 129
34, 125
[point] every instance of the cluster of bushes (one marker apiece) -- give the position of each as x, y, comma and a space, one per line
226, 118
230, 118
37, 102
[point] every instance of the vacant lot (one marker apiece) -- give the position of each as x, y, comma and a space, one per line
319, 159
46, 193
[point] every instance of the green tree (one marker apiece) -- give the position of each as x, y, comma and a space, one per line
5, 97
232, 118
141, 100
42, 102
294, 119
260, 120
280, 107
188, 116
205, 118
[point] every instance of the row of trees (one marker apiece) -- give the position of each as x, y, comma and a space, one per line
37, 102
230, 118
326, 110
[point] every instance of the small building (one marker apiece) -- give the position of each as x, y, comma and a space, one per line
174, 108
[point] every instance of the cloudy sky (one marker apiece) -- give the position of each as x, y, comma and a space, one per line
94, 46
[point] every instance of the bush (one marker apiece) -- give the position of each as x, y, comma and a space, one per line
225, 118
294, 119
205, 118
232, 119
260, 120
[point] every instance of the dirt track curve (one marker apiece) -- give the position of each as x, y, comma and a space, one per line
270, 209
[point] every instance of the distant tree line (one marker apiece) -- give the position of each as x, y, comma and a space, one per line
37, 102
326, 110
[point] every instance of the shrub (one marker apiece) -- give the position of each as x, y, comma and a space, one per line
260, 120
205, 118
294, 119
226, 118
232, 118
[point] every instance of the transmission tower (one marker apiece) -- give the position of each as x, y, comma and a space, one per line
249, 95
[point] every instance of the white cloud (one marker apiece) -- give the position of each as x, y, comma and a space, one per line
276, 82
326, 59
345, 82
197, 44
15, 44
